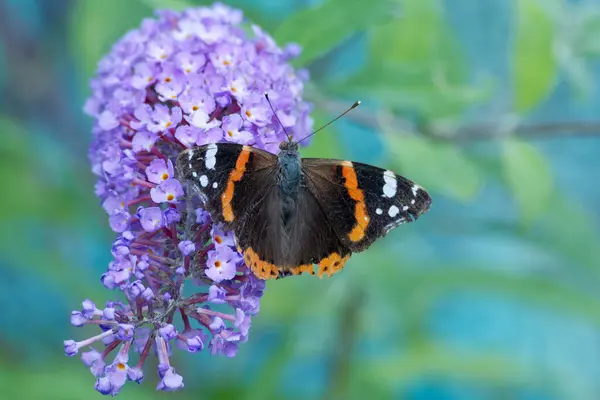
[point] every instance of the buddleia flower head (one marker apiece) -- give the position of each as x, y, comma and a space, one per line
178, 81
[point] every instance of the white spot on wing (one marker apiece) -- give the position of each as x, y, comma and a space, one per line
215, 185
190, 155
204, 180
404, 208
391, 184
210, 160
415, 188
194, 174
393, 211
379, 211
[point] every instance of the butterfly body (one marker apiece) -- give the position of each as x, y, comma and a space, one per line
288, 213
289, 179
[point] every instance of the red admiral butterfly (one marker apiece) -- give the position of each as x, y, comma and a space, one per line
288, 213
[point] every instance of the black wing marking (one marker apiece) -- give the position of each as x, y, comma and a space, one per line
213, 171
363, 202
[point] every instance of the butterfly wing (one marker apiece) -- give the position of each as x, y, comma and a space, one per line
218, 173
363, 202
275, 246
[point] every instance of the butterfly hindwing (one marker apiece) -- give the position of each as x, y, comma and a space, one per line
214, 172
363, 202
278, 245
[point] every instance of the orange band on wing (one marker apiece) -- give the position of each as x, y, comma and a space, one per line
234, 176
332, 264
262, 269
360, 211
265, 270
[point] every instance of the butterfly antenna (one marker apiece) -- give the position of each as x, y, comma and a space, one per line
332, 121
276, 117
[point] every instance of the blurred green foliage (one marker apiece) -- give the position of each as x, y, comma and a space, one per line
455, 106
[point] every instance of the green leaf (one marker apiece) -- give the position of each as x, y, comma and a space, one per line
528, 176
436, 166
321, 28
534, 65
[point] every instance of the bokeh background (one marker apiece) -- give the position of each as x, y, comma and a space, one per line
493, 106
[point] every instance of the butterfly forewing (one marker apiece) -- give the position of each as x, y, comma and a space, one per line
363, 202
214, 172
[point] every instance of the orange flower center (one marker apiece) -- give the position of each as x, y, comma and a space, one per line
218, 239
164, 176
248, 113
195, 108
218, 264
170, 197
168, 124
230, 133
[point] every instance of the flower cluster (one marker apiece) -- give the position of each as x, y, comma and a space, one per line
181, 80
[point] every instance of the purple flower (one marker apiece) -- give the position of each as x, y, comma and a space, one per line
167, 332
162, 118
89, 358
168, 191
125, 332
119, 220
151, 218
216, 294
187, 247
170, 381
212, 135
159, 170
222, 264
70, 347
222, 238
107, 121
180, 80
135, 374
143, 141
78, 319
232, 125
187, 135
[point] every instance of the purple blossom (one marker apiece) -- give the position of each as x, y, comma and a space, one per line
168, 191
187, 135
187, 247
143, 141
181, 80
151, 218
216, 294
158, 170
119, 220
222, 264
168, 332
170, 381
232, 125
162, 118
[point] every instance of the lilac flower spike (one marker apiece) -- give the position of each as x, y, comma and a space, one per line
180, 80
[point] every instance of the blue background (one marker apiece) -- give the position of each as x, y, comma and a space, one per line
492, 106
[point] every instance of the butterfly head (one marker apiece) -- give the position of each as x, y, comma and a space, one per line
288, 146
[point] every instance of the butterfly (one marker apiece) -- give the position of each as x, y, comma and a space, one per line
288, 213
